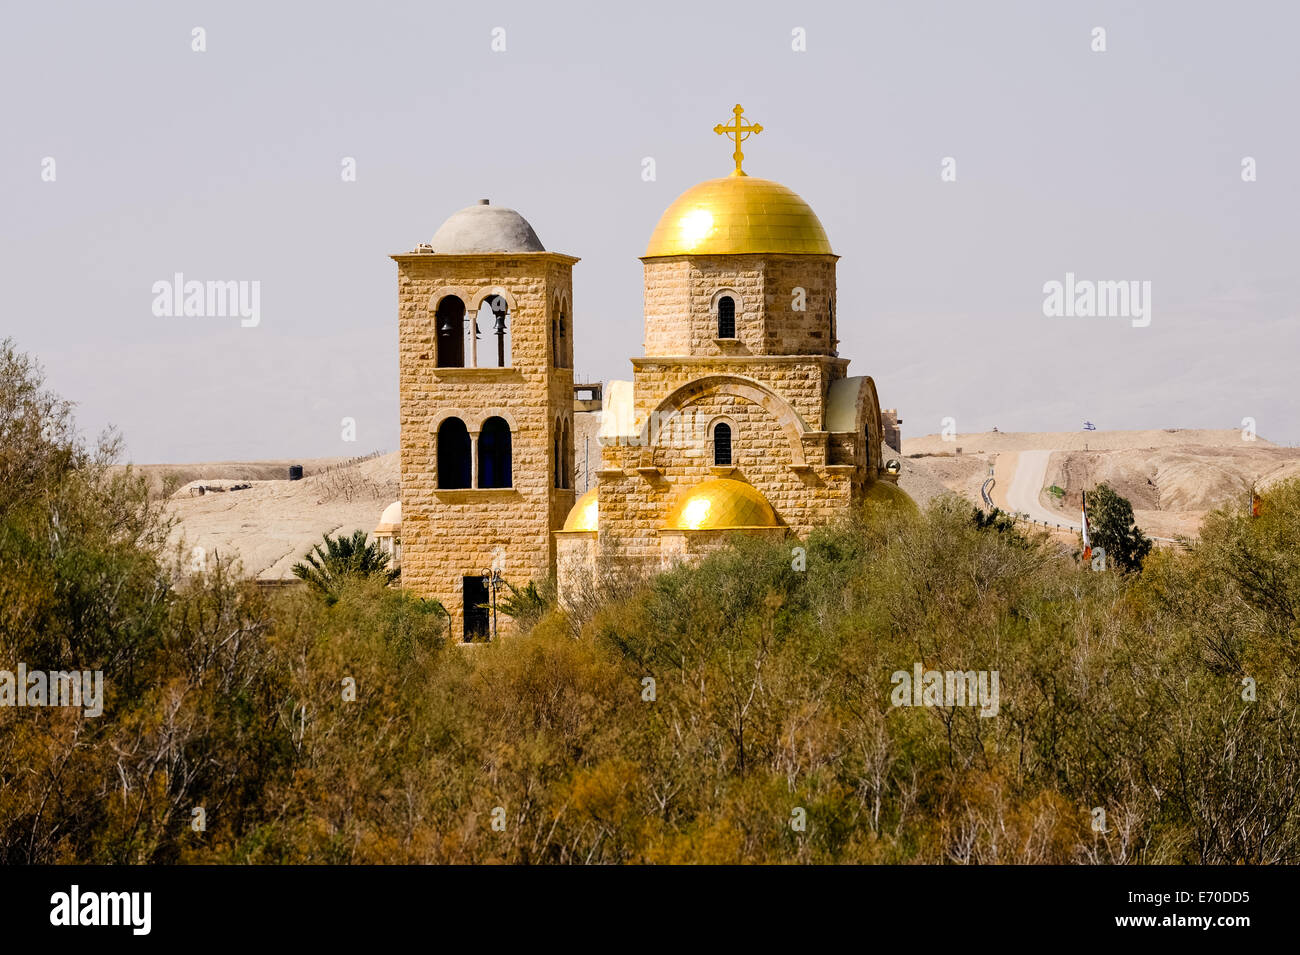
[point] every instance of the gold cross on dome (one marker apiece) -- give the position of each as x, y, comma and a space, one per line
738, 132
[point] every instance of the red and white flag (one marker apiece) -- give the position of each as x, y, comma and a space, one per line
1087, 544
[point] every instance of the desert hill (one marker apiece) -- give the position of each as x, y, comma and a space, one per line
271, 524
1172, 476
164, 479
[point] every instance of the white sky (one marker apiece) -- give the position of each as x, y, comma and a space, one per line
225, 165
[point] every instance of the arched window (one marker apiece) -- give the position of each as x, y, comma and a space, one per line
494, 323
449, 327
559, 451
722, 444
726, 317
562, 357
454, 464
566, 455
494, 453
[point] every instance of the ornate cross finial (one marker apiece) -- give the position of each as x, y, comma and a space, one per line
739, 132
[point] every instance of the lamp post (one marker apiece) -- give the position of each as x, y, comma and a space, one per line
493, 580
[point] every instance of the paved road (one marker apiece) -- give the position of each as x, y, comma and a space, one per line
1025, 477
1019, 478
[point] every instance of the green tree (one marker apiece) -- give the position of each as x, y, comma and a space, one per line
343, 559
994, 520
38, 441
1111, 527
526, 606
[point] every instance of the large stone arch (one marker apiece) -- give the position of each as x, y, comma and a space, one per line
783, 413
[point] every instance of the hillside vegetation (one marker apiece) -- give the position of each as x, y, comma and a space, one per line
1165, 699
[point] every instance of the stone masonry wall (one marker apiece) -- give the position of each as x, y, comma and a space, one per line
802, 382
681, 313
448, 534
633, 503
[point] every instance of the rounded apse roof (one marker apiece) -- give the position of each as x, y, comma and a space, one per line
718, 504
485, 228
391, 520
738, 214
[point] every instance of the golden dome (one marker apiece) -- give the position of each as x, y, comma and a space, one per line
889, 494
720, 503
585, 513
738, 214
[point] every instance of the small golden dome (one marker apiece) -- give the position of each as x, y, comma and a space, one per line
738, 214
585, 514
889, 494
717, 504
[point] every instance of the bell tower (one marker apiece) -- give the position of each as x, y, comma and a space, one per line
485, 343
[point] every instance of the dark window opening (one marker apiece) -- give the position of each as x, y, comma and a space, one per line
566, 456
726, 317
558, 449
494, 454
476, 607
454, 463
722, 445
449, 327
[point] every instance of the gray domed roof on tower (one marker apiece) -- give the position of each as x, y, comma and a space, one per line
485, 228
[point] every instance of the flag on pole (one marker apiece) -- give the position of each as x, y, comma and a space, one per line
1087, 544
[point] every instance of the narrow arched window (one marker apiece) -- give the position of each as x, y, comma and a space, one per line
562, 356
454, 464
559, 451
726, 317
566, 455
449, 329
722, 444
494, 453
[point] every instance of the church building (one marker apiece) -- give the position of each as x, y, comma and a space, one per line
740, 418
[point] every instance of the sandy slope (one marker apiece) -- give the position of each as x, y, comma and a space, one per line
917, 479
1173, 477
272, 524
994, 441
165, 478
